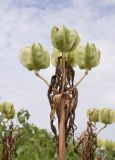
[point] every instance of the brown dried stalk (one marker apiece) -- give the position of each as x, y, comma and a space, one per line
63, 97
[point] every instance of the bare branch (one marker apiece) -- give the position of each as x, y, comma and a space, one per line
43, 79
85, 74
102, 129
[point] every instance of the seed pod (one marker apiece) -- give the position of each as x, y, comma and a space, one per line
26, 58
41, 59
87, 56
64, 39
112, 115
35, 57
70, 57
106, 116
1, 107
54, 57
100, 142
114, 147
8, 110
109, 145
93, 114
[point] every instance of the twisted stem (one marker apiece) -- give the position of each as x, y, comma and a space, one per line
42, 78
85, 74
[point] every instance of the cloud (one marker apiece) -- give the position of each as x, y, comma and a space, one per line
25, 22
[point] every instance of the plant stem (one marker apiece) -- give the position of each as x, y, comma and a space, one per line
102, 129
62, 114
85, 74
43, 79
62, 130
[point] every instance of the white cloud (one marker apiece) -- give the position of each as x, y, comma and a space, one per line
108, 2
21, 26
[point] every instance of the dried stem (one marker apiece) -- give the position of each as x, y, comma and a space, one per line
63, 72
63, 97
43, 79
62, 115
62, 130
102, 129
85, 74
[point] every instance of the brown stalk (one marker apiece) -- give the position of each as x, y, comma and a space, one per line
62, 115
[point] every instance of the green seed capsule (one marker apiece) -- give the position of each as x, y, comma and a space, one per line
106, 116
1, 107
35, 57
107, 145
93, 114
64, 39
54, 57
70, 57
26, 58
41, 59
8, 110
87, 56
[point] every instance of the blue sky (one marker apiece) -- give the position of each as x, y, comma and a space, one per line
25, 22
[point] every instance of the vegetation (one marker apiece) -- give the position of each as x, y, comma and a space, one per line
25, 141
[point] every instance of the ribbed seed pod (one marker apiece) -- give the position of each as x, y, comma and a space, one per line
93, 114
8, 110
54, 57
106, 116
1, 107
26, 58
64, 39
114, 147
100, 142
70, 57
107, 145
88, 56
35, 57
41, 59
114, 116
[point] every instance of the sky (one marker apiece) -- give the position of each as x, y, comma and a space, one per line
25, 22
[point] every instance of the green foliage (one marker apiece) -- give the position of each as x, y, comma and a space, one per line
31, 142
70, 152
